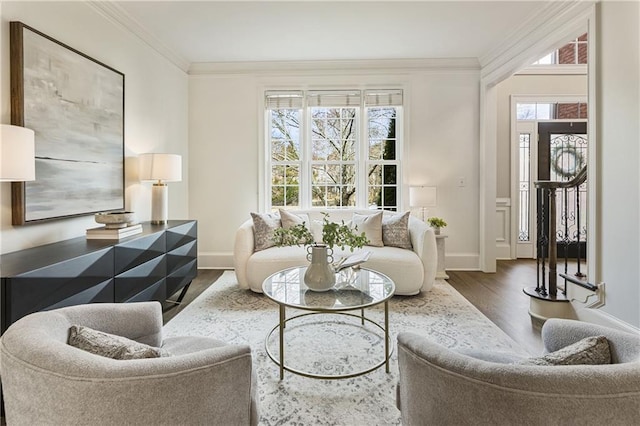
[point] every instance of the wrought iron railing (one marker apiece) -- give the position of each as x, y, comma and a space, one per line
571, 236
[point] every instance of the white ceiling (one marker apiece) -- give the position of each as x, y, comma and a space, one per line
232, 31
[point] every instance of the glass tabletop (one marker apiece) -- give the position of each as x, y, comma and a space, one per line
355, 288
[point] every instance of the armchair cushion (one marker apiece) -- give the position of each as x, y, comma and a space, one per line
592, 350
110, 345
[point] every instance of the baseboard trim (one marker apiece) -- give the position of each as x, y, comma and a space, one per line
503, 251
462, 262
215, 260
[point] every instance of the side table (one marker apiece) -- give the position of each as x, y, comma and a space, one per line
441, 273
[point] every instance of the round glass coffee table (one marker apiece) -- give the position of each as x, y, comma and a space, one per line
355, 290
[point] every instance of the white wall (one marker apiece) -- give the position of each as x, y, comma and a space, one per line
618, 120
156, 109
442, 119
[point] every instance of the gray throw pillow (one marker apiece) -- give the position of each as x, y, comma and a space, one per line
588, 351
395, 231
263, 226
110, 345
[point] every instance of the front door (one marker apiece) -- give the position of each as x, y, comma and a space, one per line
562, 152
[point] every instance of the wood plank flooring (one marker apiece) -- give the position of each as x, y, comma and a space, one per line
498, 296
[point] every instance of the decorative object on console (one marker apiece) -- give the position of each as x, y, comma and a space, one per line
115, 220
422, 197
160, 168
75, 105
104, 233
436, 223
17, 154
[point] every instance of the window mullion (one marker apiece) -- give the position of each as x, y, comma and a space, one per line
305, 166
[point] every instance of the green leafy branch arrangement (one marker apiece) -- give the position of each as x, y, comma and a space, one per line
333, 234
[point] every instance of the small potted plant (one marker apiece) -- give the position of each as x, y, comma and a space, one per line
437, 223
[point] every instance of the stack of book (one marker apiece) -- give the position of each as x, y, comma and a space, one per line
102, 233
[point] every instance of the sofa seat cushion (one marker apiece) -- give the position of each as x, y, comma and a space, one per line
402, 266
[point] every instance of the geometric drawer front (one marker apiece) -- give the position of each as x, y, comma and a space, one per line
135, 281
182, 234
181, 256
181, 277
136, 252
82, 279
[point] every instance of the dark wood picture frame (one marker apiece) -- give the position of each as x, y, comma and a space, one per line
75, 105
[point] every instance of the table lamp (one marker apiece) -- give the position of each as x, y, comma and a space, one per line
17, 154
160, 168
422, 196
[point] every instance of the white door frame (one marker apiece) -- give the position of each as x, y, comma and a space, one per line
515, 158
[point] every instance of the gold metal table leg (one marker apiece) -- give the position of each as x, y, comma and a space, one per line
282, 322
386, 335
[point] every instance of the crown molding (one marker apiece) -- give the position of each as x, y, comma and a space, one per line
120, 17
547, 29
336, 67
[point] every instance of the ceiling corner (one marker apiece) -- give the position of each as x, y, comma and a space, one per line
120, 17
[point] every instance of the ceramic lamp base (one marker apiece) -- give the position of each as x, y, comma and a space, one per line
159, 203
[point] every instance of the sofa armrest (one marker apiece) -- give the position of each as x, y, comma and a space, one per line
423, 240
242, 250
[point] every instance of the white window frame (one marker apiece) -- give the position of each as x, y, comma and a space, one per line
362, 160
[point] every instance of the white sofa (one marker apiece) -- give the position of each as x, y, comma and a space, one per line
412, 271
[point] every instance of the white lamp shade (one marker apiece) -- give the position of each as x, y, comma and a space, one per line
17, 154
422, 196
160, 167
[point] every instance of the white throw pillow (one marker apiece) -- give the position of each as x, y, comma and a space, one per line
371, 225
263, 226
289, 220
395, 231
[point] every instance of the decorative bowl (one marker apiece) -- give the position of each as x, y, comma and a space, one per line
115, 220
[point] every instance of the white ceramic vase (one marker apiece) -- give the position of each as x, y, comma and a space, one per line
320, 275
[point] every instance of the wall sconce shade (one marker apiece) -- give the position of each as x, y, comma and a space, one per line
422, 196
17, 154
160, 168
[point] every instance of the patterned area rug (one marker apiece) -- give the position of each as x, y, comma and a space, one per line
330, 345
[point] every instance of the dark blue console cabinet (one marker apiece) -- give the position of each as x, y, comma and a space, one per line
152, 265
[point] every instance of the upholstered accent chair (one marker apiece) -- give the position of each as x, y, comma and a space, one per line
440, 386
47, 381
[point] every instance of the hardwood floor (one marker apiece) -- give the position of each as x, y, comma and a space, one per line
498, 296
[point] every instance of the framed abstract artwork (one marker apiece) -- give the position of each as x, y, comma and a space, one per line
75, 105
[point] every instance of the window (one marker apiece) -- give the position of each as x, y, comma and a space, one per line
574, 52
322, 152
